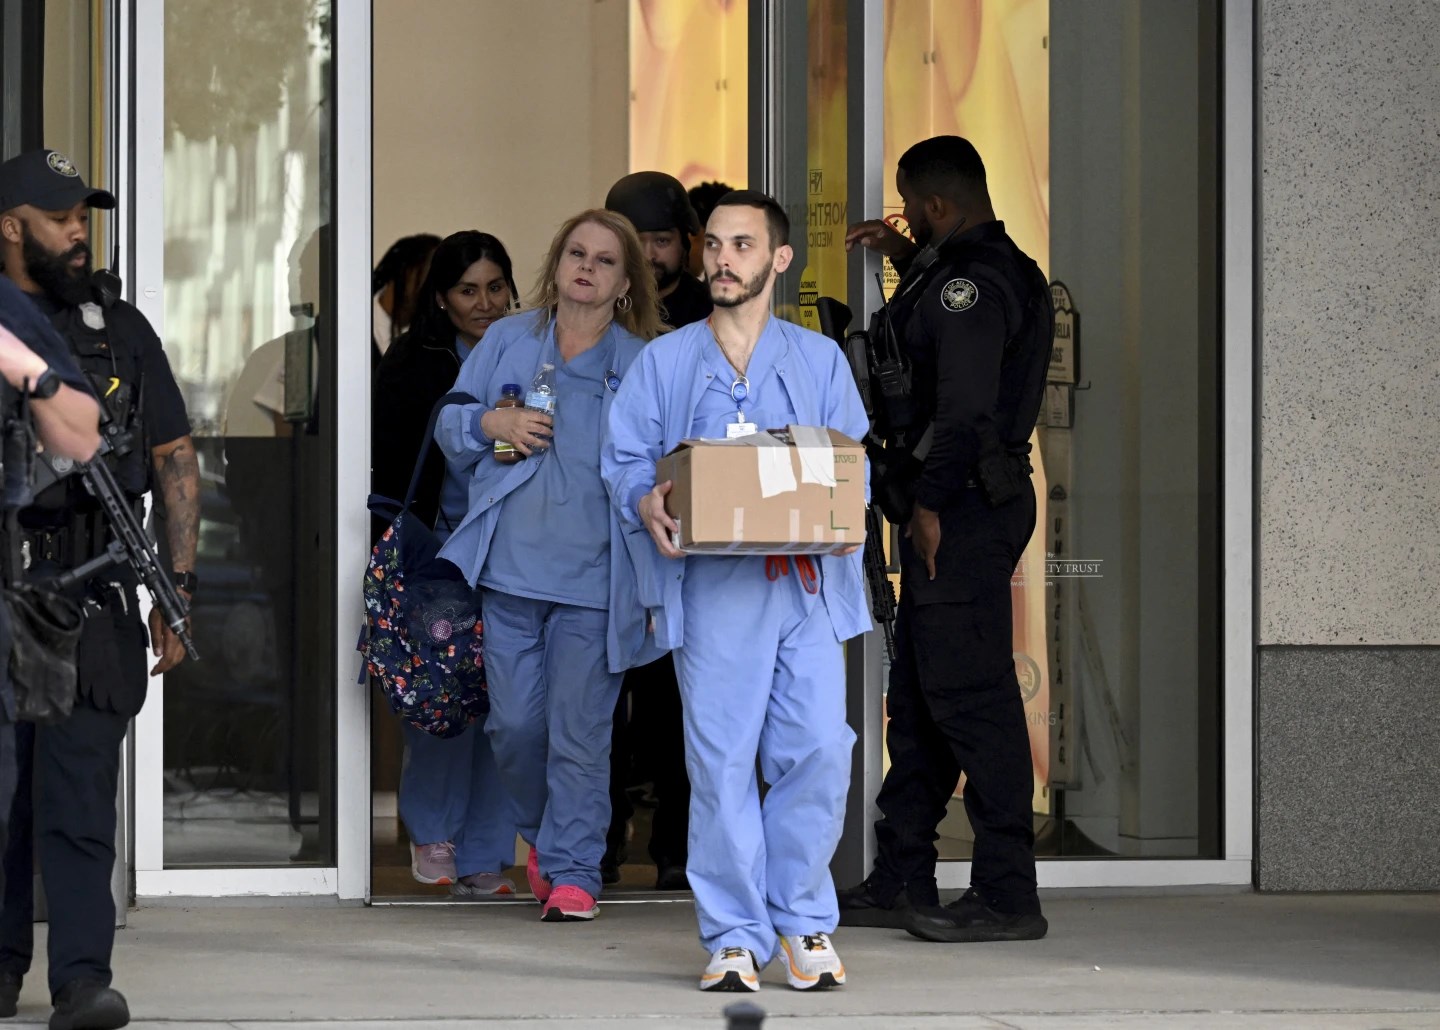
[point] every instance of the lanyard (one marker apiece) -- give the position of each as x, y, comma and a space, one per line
740, 386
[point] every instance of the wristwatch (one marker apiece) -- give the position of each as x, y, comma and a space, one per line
185, 581
46, 385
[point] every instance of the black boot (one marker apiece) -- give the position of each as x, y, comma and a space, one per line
610, 864
972, 920
89, 1005
871, 903
9, 993
670, 876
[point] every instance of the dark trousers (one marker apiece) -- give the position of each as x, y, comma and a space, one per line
65, 804
954, 705
9, 771
73, 770
649, 730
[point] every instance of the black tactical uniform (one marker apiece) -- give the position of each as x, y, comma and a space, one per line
73, 766
688, 302
978, 342
21, 317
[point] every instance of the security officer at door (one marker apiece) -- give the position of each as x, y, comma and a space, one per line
73, 766
975, 328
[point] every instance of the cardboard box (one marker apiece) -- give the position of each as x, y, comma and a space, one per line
799, 490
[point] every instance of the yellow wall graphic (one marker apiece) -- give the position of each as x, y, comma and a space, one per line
689, 90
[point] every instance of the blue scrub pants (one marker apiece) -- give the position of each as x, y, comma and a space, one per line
552, 700
450, 790
761, 672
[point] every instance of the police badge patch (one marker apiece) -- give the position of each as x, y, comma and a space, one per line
959, 294
58, 162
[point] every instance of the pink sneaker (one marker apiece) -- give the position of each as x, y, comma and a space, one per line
539, 886
433, 863
569, 904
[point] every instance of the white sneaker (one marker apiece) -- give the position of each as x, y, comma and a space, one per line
811, 961
731, 969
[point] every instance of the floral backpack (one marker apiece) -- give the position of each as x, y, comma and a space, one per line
422, 633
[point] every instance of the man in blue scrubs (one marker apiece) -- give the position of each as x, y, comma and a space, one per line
757, 639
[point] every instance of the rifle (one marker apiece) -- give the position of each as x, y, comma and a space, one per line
131, 546
834, 320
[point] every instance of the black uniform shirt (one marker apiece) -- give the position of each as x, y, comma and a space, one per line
690, 302
978, 340
164, 415
123, 354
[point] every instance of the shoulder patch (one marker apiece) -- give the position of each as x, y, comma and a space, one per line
959, 294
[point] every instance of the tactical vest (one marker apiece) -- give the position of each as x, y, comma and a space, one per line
115, 374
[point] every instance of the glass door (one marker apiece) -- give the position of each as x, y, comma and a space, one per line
237, 194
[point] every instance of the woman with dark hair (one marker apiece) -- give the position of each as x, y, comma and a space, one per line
563, 617
395, 287
469, 286
460, 822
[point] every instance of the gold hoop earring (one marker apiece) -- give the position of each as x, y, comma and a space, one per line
624, 303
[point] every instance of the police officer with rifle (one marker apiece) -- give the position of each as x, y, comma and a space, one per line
84, 534
956, 373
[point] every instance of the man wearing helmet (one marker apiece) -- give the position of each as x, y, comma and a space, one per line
660, 209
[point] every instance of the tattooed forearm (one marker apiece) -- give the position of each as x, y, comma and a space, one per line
177, 476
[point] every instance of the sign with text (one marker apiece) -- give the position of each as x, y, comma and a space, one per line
1065, 357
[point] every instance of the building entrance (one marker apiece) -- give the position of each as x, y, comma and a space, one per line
773, 95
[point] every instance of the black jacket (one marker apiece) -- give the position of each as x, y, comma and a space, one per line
978, 340
690, 302
414, 373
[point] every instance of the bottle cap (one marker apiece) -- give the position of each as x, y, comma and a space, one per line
510, 388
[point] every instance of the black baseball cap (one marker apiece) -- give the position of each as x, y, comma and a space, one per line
48, 180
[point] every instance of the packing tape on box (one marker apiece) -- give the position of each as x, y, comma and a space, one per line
817, 457
773, 461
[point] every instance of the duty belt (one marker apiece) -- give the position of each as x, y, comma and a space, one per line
84, 537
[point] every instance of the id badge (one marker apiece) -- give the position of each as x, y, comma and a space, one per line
735, 430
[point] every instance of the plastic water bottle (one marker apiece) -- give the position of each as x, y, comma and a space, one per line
505, 453
541, 397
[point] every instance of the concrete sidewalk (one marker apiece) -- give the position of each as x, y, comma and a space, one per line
1184, 962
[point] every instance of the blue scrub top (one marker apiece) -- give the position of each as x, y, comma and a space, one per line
455, 488
768, 405
552, 540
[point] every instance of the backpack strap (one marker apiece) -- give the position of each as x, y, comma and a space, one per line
458, 397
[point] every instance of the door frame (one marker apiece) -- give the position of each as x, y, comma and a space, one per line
140, 76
